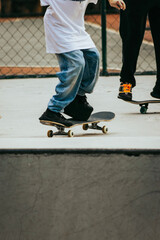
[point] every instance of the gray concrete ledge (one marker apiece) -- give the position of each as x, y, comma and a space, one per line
110, 144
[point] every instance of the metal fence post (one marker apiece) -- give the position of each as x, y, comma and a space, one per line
2, 8
104, 39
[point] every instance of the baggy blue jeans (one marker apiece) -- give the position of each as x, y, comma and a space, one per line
78, 76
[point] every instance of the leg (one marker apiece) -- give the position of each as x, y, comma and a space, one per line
132, 27
72, 66
79, 108
91, 71
154, 19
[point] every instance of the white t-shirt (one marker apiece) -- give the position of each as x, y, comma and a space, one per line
64, 25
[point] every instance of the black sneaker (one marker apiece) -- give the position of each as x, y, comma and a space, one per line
54, 117
79, 108
125, 91
156, 91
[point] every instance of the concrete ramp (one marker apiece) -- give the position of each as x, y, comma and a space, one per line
79, 196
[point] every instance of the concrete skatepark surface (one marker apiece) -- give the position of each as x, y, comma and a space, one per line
23, 101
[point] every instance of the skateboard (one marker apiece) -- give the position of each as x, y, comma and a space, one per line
91, 123
143, 104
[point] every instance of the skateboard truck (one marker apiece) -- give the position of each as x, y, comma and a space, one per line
95, 127
60, 131
143, 108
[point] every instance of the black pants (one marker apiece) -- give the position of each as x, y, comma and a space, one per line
132, 28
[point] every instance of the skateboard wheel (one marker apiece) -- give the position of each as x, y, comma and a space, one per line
85, 126
143, 110
50, 133
104, 129
70, 133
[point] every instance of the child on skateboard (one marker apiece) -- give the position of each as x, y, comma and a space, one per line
77, 56
132, 28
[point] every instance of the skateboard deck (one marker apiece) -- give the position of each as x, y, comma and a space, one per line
91, 123
143, 104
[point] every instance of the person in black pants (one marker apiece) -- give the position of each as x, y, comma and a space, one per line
132, 28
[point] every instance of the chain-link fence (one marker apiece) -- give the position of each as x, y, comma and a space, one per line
146, 61
22, 43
